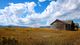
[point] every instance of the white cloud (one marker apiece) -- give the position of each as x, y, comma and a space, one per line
59, 8
24, 13
12, 12
42, 0
72, 9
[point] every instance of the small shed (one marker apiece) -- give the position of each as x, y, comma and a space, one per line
61, 25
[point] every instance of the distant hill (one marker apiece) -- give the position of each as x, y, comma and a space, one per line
45, 26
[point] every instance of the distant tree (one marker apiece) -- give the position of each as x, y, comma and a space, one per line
72, 26
76, 26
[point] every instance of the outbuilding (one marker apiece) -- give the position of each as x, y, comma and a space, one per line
62, 25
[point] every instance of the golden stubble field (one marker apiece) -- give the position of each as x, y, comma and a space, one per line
41, 36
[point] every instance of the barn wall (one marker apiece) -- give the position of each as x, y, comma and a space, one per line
68, 26
58, 25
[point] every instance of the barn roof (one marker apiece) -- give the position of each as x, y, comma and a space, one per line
68, 21
64, 22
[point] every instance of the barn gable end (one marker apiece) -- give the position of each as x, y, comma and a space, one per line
61, 25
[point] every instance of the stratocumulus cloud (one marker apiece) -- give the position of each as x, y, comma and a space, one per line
23, 14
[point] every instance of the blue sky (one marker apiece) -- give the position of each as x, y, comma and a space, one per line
38, 8
35, 13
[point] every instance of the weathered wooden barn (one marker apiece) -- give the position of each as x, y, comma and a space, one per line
61, 25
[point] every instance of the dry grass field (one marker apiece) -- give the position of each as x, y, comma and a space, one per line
41, 36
